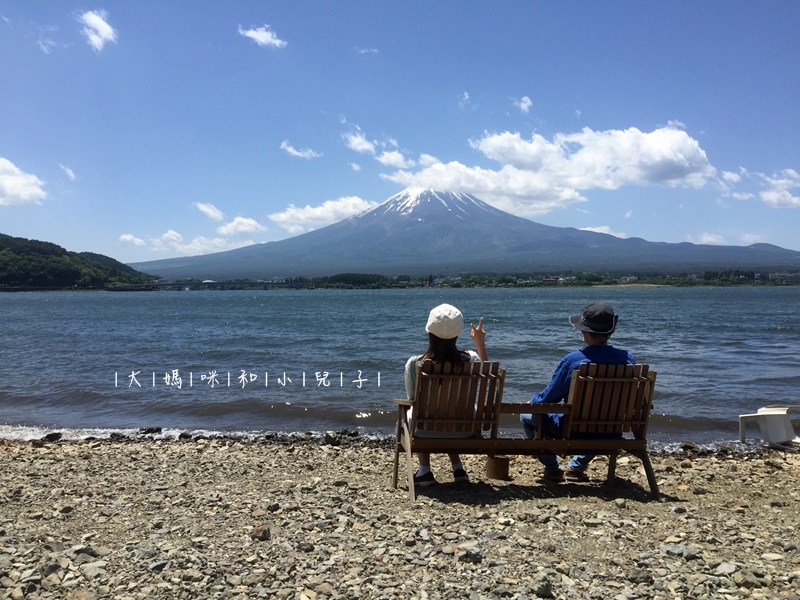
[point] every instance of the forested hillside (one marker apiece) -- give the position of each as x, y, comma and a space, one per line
34, 264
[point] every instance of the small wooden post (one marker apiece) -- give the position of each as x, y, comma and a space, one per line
497, 467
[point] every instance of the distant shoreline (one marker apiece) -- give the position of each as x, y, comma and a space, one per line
222, 287
655, 285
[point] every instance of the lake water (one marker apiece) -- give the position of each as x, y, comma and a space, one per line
317, 360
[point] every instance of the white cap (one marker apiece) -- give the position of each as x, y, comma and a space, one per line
445, 322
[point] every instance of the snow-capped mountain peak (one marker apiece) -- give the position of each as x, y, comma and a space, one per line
419, 202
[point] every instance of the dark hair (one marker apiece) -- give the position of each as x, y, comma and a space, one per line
440, 350
598, 338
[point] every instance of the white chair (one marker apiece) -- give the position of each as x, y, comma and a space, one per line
775, 424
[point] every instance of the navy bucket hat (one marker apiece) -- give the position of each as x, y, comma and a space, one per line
598, 317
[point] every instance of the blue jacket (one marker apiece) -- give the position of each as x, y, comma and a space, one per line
558, 388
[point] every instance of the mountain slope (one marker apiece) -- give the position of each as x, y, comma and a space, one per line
31, 263
419, 232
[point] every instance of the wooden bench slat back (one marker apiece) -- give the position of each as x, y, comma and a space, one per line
610, 399
455, 400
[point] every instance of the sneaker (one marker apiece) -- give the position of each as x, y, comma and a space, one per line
460, 476
553, 474
575, 475
424, 480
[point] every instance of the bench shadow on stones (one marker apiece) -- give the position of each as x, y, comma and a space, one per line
479, 493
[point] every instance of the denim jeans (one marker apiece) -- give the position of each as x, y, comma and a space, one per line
579, 462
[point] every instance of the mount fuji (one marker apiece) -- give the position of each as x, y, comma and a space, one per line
422, 232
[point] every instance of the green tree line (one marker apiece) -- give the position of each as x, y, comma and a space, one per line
713, 278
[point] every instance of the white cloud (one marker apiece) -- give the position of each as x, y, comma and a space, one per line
172, 241
385, 151
297, 220
394, 159
355, 166
780, 198
628, 214
263, 36
240, 225
367, 51
96, 29
46, 45
464, 101
780, 187
18, 187
426, 160
305, 153
708, 238
606, 159
171, 237
209, 210
673, 124
751, 238
127, 238
729, 180
604, 229
523, 104
538, 175
731, 177
68, 172
780, 190
357, 142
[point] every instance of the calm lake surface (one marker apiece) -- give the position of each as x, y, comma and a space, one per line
316, 360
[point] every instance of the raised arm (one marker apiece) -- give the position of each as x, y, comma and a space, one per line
478, 336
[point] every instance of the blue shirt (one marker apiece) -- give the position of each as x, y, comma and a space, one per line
558, 388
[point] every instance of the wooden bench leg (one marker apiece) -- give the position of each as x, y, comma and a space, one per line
404, 434
410, 472
397, 434
651, 475
396, 462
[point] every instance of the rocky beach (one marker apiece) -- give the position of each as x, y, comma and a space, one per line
316, 517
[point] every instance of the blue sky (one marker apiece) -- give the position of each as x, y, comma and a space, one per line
154, 129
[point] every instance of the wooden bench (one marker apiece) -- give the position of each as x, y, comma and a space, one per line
603, 399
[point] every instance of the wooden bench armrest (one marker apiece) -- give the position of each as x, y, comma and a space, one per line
404, 402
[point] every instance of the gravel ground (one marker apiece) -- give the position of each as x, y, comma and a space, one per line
303, 517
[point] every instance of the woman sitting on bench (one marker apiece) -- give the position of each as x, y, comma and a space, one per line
445, 324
